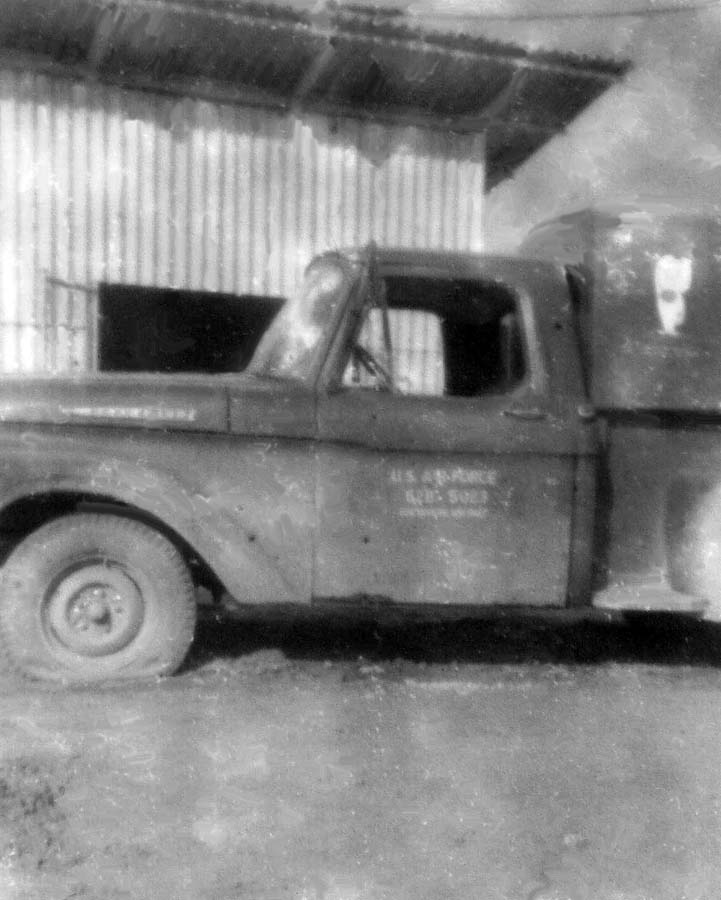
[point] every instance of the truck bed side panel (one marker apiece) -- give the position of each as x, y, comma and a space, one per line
660, 470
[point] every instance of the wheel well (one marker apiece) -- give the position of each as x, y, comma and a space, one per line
23, 516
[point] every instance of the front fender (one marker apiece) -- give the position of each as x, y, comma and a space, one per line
230, 547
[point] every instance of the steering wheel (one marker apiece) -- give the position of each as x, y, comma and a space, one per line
365, 358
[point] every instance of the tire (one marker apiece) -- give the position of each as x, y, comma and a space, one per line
90, 598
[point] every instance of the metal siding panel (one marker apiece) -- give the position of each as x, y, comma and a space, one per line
136, 174
26, 246
163, 213
305, 209
211, 206
364, 193
243, 206
436, 172
228, 210
66, 299
73, 324
450, 205
405, 196
185, 216
463, 206
195, 186
408, 199
421, 205
400, 321
77, 300
324, 189
78, 185
112, 191
43, 167
147, 200
251, 215
289, 231
55, 327
259, 205
223, 222
59, 334
96, 169
156, 135
459, 207
179, 210
8, 222
131, 188
379, 204
293, 237
390, 175
130, 211
335, 195
27, 220
319, 163
350, 189
273, 261
476, 196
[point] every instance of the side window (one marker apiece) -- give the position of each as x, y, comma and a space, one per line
439, 337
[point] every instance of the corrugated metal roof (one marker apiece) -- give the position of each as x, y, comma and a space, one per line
344, 61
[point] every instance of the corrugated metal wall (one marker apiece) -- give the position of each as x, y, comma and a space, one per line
103, 184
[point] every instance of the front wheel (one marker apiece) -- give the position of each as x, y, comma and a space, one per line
90, 598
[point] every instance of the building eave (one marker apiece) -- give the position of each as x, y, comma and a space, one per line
337, 61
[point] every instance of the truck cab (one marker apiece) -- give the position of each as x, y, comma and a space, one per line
449, 443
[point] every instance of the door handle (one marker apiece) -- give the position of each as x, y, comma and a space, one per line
528, 413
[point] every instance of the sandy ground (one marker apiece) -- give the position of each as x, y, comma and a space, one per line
513, 759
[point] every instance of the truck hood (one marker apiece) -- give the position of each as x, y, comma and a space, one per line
240, 403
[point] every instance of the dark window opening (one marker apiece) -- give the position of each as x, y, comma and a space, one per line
150, 329
483, 357
441, 337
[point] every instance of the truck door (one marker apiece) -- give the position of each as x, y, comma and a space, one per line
444, 473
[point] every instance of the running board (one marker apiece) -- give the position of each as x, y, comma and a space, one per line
648, 597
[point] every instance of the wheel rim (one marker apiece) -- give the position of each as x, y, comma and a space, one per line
95, 610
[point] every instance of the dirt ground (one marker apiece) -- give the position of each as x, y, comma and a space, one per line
518, 760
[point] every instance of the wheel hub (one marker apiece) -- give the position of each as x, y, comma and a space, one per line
95, 610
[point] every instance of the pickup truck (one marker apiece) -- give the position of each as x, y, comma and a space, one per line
424, 429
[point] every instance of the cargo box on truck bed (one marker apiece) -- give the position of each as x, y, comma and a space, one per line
647, 279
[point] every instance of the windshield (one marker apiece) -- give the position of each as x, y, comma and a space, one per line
290, 347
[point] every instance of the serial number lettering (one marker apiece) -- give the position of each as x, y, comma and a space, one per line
423, 497
467, 498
